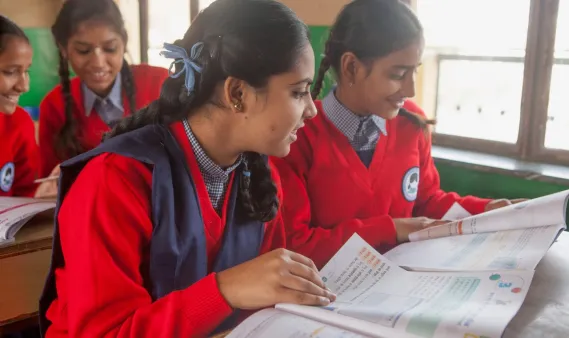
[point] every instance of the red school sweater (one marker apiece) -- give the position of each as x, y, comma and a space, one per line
105, 229
90, 129
329, 194
19, 158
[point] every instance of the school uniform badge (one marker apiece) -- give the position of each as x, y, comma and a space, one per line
7, 174
410, 184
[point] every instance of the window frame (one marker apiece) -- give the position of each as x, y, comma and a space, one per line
538, 65
145, 24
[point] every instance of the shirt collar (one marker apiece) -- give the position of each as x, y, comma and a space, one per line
345, 120
206, 164
115, 96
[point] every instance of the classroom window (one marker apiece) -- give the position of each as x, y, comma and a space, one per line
204, 4
495, 74
168, 20
557, 125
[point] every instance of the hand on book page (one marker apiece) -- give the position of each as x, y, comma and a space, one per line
501, 203
406, 226
279, 324
519, 249
543, 211
275, 277
427, 304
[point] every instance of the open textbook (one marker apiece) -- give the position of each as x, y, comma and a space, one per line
17, 211
514, 237
377, 298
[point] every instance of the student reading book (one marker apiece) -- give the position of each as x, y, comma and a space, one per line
376, 298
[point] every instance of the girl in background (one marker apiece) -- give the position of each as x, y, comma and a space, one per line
173, 224
19, 161
91, 37
364, 163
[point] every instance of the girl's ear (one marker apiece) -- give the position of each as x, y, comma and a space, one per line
234, 94
350, 65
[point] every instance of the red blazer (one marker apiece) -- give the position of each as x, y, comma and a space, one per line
329, 194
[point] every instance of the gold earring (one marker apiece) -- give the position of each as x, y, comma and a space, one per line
238, 105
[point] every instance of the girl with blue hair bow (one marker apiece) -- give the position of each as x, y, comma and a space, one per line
173, 224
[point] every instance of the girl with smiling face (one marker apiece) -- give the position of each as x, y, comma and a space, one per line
91, 38
19, 162
364, 163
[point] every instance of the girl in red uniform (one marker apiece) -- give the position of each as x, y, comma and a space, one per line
19, 161
364, 163
173, 223
74, 116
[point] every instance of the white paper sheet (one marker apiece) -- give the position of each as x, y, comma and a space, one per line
504, 250
279, 324
455, 213
543, 211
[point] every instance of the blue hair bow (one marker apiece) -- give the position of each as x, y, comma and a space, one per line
181, 56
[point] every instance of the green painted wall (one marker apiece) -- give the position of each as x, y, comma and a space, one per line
43, 74
492, 185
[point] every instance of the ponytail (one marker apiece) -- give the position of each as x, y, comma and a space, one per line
67, 145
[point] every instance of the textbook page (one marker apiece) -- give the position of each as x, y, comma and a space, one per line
280, 324
543, 211
503, 250
426, 304
16, 211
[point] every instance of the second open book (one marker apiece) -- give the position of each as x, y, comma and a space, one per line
468, 282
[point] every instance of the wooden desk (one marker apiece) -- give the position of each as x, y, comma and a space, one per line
23, 268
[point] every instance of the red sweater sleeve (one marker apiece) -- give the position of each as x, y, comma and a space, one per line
431, 200
51, 120
313, 240
105, 230
26, 157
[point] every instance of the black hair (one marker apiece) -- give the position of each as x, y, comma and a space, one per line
250, 40
72, 14
9, 29
371, 29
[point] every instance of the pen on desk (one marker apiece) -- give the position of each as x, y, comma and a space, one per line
46, 179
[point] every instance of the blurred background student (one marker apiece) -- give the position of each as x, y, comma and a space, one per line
91, 38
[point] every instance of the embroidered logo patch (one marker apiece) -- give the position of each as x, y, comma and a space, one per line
7, 174
410, 184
